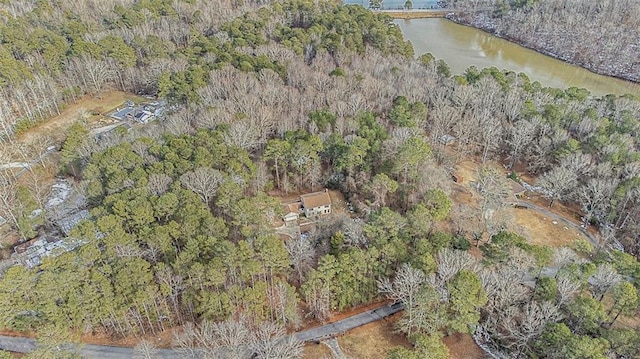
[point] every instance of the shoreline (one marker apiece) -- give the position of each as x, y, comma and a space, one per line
415, 14
492, 32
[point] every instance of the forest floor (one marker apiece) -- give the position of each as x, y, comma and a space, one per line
462, 346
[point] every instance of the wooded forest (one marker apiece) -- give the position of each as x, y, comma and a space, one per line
289, 97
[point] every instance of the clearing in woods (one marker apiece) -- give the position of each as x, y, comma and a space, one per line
533, 225
374, 340
55, 128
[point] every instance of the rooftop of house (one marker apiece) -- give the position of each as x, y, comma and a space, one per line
316, 199
68, 223
294, 207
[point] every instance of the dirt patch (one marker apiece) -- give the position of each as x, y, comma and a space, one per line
462, 346
374, 340
542, 230
7, 242
466, 172
316, 351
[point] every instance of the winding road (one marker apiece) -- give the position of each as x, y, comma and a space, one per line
25, 345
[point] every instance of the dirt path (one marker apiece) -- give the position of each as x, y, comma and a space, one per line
335, 348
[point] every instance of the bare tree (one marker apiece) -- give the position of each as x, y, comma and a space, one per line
174, 283
595, 197
302, 253
38, 182
92, 74
527, 325
520, 136
270, 341
451, 261
244, 134
204, 181
557, 183
8, 198
567, 289
493, 187
159, 183
495, 192
504, 287
604, 279
145, 350
404, 288
319, 302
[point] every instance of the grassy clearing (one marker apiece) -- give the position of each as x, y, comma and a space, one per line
373, 341
55, 128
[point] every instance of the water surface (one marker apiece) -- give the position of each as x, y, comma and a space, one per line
461, 46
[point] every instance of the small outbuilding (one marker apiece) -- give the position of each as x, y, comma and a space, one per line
517, 189
292, 213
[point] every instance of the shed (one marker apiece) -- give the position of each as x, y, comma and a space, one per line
292, 212
517, 189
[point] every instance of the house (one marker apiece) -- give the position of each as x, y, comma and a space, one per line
31, 253
316, 203
142, 113
69, 222
142, 116
310, 204
122, 114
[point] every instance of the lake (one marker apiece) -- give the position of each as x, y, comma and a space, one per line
461, 46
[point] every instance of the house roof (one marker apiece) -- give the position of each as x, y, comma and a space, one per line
316, 199
294, 207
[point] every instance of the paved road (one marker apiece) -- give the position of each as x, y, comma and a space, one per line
344, 325
25, 345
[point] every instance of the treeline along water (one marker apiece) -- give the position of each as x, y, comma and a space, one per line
398, 4
461, 46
